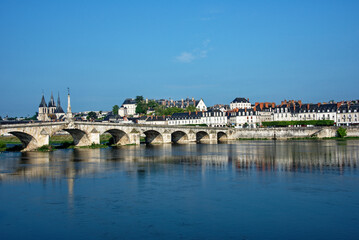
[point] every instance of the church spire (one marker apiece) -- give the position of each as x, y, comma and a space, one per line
43, 102
52, 101
58, 107
58, 99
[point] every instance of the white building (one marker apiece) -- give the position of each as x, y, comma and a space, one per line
215, 118
185, 118
240, 103
128, 108
244, 118
348, 115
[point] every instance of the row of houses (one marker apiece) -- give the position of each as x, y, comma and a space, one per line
242, 114
239, 113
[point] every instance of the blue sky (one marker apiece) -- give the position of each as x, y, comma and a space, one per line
106, 51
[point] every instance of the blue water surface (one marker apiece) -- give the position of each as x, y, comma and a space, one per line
238, 190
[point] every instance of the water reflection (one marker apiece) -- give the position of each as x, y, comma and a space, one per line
298, 155
260, 155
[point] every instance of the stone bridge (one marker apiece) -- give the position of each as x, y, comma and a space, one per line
35, 135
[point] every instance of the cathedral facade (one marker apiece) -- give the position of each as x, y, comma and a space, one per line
51, 111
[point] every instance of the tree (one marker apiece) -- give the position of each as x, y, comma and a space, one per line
91, 116
141, 107
190, 108
139, 99
341, 132
115, 109
152, 104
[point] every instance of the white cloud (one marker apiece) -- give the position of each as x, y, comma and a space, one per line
185, 57
189, 56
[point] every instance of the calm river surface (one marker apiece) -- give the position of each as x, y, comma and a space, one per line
238, 190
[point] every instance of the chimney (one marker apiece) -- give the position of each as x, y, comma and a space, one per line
266, 105
308, 106
318, 104
248, 99
273, 105
261, 106
245, 109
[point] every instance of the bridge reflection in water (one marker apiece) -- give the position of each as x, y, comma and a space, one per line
258, 155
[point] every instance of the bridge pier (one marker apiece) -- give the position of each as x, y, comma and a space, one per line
134, 138
166, 138
192, 136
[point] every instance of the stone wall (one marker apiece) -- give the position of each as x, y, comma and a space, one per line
292, 132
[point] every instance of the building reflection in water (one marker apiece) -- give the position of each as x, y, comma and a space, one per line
143, 161
298, 155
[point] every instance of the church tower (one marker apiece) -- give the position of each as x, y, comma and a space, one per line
42, 116
59, 111
51, 106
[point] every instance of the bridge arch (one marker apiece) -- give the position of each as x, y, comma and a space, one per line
120, 137
153, 137
80, 137
202, 136
221, 136
179, 137
27, 140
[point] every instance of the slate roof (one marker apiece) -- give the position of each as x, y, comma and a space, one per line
345, 108
240, 100
52, 101
58, 107
43, 102
186, 115
129, 101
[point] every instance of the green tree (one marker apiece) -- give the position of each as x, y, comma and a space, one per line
91, 116
190, 108
115, 109
341, 132
141, 107
139, 99
152, 104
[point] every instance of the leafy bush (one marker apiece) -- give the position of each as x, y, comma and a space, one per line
2, 146
341, 132
45, 148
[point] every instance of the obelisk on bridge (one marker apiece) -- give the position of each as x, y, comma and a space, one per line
69, 113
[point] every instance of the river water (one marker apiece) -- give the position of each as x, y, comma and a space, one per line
237, 190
